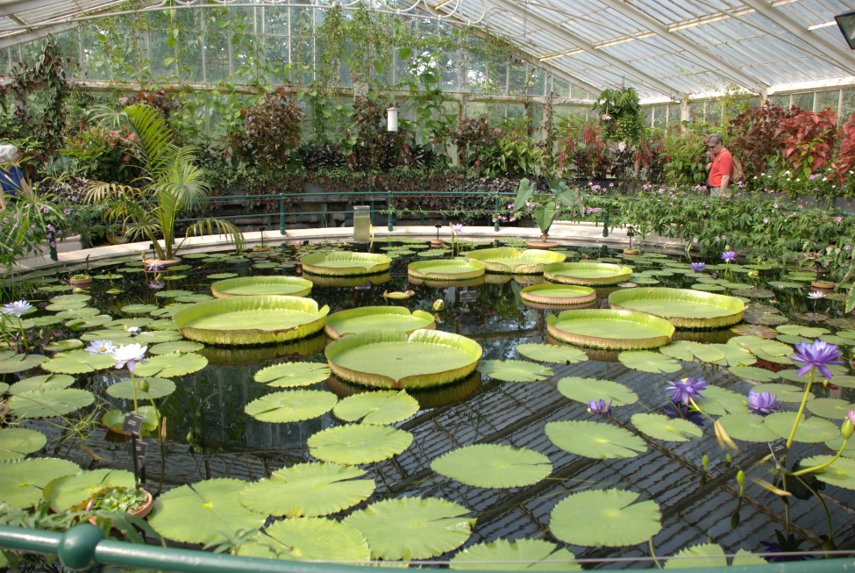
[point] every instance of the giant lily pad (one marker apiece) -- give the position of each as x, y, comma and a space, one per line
515, 261
586, 389
685, 308
309, 539
205, 512
393, 359
51, 402
377, 407
22, 481
309, 490
365, 318
291, 406
412, 528
664, 428
246, 320
172, 365
594, 439
345, 263
587, 273
610, 518
358, 443
514, 370
549, 296
493, 465
446, 269
66, 492
261, 286
610, 329
16, 443
522, 554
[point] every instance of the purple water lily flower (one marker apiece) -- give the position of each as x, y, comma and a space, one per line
154, 267
457, 228
728, 256
851, 416
818, 354
16, 308
156, 285
599, 407
686, 389
698, 267
762, 403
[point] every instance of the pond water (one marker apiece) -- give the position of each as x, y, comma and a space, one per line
210, 436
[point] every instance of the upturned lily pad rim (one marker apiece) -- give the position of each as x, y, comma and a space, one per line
364, 263
453, 269
336, 323
731, 309
563, 273
531, 261
660, 329
298, 286
185, 317
546, 295
437, 378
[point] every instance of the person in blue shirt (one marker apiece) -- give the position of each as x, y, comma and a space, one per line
10, 173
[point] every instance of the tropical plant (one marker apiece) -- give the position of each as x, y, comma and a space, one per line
754, 137
25, 224
545, 206
270, 131
170, 184
620, 114
809, 139
686, 163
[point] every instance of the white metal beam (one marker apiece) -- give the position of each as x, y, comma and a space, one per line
28, 35
730, 71
560, 31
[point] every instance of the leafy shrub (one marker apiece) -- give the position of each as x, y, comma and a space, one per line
755, 138
271, 131
620, 115
686, 161
808, 139
99, 153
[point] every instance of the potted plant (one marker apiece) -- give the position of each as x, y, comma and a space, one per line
545, 206
134, 501
81, 278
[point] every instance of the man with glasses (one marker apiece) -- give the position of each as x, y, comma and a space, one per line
720, 165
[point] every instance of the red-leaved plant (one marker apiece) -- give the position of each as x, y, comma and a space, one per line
809, 139
755, 138
845, 162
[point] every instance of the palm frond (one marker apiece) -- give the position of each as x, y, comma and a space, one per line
213, 226
156, 142
107, 117
101, 191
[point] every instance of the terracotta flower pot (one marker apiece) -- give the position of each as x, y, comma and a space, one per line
824, 286
141, 511
80, 281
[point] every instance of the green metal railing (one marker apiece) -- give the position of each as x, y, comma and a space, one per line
84, 548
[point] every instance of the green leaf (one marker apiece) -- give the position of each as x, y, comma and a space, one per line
172, 365
412, 528
308, 539
811, 430
184, 346
493, 465
308, 490
291, 406
358, 444
206, 512
11, 362
783, 392
840, 473
139, 308
65, 492
648, 361
753, 373
157, 388
831, 408
49, 402
22, 481
609, 518
293, 374
78, 362
514, 370
554, 353
44, 382
594, 439
662, 427
747, 427
706, 555
16, 443
377, 407
522, 554
586, 389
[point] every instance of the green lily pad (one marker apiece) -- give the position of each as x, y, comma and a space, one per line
78, 362
356, 444
157, 388
514, 370
193, 298
16, 443
221, 276
554, 353
126, 323
184, 346
293, 374
173, 293
366, 318
801, 330
11, 362
586, 389
163, 324
345, 263
594, 439
612, 518
684, 308
44, 382
205, 512
513, 260
172, 365
522, 554
47, 403
783, 392
291, 406
115, 420
3, 388
308, 490
811, 430
493, 466
610, 329
831, 408
733, 355
139, 308
587, 273
747, 427
85, 312
412, 528
22, 481
262, 285
150, 338
309, 539
753, 373
91, 322
706, 555
648, 361
664, 428
378, 407
64, 493
717, 401
840, 473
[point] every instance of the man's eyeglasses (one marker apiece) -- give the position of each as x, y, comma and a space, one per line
711, 145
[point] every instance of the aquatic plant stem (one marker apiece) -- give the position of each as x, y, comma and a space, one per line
653, 553
801, 410
822, 466
134, 390
824, 508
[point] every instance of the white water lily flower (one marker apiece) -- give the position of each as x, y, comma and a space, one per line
100, 347
816, 294
16, 308
129, 355
134, 330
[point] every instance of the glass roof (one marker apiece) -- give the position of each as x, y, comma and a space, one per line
665, 49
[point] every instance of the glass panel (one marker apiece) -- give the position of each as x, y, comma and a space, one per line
827, 99
848, 107
804, 101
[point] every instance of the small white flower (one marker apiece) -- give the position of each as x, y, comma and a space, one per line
816, 294
128, 355
17, 308
133, 330
100, 347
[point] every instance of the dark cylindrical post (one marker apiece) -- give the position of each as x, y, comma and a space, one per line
389, 225
281, 214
